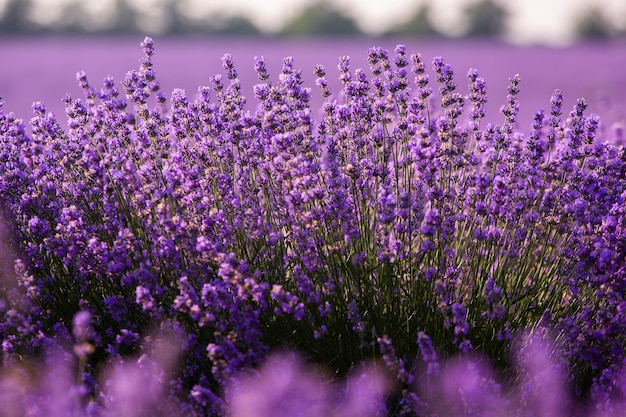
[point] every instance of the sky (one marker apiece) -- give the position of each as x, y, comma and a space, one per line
531, 21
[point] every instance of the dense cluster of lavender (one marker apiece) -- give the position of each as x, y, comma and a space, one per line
165, 247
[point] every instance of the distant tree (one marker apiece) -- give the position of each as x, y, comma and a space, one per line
125, 18
15, 17
321, 19
486, 19
71, 19
177, 22
593, 25
418, 25
237, 26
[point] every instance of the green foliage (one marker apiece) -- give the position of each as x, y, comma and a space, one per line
418, 25
486, 19
127, 16
237, 26
14, 17
321, 19
593, 25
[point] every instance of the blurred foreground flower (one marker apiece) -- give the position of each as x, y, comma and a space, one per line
284, 386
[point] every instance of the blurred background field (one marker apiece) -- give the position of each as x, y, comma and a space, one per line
44, 69
577, 46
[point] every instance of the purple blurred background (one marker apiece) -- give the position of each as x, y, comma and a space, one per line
44, 68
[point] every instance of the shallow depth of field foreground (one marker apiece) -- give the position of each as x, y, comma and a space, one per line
227, 252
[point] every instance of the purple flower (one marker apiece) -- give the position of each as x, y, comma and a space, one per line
246, 226
82, 330
285, 387
429, 355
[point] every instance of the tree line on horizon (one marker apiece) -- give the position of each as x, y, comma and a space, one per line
485, 19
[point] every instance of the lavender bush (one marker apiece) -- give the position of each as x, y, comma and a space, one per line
390, 224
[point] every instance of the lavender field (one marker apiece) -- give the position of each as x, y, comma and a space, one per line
43, 69
216, 227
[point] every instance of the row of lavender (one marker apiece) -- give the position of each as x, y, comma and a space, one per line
199, 236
